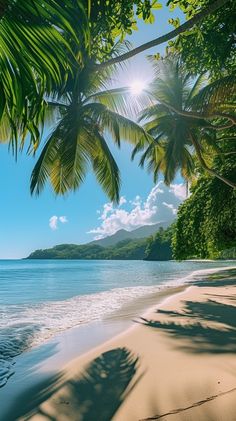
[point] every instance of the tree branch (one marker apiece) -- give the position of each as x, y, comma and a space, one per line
223, 127
164, 38
199, 116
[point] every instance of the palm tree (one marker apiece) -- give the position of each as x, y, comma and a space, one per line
180, 122
35, 57
85, 114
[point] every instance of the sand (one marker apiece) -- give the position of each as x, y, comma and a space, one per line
177, 362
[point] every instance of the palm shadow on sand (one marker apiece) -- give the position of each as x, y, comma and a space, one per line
224, 278
95, 395
105, 384
193, 325
205, 327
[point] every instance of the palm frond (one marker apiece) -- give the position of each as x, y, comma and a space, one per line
120, 100
35, 56
128, 129
215, 94
171, 84
194, 90
155, 110
42, 169
64, 158
155, 158
104, 165
5, 131
187, 165
119, 126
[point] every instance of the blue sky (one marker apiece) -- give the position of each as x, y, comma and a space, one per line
28, 223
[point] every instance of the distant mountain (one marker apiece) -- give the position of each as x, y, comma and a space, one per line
124, 245
125, 250
141, 232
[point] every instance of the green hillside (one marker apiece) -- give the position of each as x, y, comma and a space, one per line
126, 249
151, 248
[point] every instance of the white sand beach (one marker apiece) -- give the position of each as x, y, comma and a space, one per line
177, 362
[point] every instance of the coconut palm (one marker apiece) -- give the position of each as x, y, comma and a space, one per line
85, 115
180, 122
35, 56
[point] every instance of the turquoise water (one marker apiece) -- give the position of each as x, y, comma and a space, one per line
40, 298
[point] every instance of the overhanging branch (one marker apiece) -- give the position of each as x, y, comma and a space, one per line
199, 116
164, 38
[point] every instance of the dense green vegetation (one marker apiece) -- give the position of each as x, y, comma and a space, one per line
206, 223
159, 245
209, 46
127, 249
156, 247
35, 38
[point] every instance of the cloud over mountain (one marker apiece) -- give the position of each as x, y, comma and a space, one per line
160, 205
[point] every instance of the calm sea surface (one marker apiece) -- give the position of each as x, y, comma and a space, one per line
40, 298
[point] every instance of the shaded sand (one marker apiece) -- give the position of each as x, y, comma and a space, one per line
177, 363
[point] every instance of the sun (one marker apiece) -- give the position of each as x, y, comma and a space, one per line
137, 86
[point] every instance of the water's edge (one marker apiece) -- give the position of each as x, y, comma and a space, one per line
126, 304
42, 364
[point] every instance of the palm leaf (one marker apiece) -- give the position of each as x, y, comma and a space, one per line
36, 54
65, 156
42, 169
118, 100
104, 165
215, 94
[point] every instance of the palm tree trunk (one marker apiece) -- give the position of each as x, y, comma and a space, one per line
205, 166
164, 38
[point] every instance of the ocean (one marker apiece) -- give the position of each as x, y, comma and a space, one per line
41, 298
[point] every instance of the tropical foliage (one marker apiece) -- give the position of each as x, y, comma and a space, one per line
210, 45
206, 223
111, 21
185, 121
47, 56
43, 43
84, 114
35, 36
159, 245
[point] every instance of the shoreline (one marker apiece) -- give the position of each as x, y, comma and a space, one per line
49, 368
56, 353
168, 297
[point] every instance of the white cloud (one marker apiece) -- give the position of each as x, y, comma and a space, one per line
53, 221
170, 206
122, 201
179, 190
140, 212
63, 219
